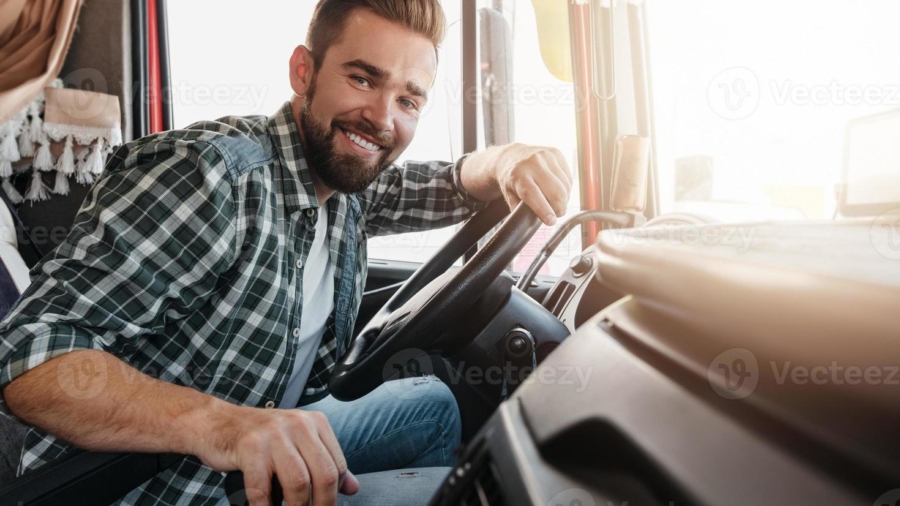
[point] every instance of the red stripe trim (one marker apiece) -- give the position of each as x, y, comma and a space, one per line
154, 92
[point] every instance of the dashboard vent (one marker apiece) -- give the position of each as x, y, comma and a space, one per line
559, 298
484, 488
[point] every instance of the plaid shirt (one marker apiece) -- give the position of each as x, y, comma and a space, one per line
185, 260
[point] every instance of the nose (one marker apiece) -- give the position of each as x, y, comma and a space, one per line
379, 114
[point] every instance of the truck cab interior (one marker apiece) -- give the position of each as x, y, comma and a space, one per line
713, 322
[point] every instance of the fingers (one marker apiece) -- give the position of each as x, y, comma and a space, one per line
322, 467
556, 166
293, 474
542, 180
258, 484
554, 188
561, 168
326, 435
530, 193
512, 200
349, 485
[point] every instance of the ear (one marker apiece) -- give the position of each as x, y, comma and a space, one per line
302, 70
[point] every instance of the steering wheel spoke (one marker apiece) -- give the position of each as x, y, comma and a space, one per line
432, 299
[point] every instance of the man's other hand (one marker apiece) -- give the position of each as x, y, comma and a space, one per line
297, 446
538, 176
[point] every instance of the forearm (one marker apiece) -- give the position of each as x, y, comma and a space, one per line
98, 402
415, 197
476, 176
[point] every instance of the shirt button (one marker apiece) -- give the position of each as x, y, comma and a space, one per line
270, 404
310, 212
299, 264
297, 332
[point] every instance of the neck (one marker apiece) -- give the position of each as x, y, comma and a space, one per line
323, 193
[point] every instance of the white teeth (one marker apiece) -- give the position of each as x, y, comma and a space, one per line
361, 142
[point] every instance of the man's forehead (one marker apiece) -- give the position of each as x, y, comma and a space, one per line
401, 54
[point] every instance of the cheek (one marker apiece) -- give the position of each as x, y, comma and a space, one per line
405, 131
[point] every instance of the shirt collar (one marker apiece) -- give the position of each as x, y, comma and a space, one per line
299, 191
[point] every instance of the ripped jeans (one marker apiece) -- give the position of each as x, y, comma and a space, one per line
410, 424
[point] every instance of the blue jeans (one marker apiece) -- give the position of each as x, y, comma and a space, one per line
411, 424
402, 424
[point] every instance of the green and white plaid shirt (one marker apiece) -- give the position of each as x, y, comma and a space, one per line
185, 260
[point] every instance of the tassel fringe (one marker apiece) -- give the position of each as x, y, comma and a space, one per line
43, 160
9, 148
37, 190
26, 147
82, 174
28, 136
94, 163
36, 131
66, 162
61, 187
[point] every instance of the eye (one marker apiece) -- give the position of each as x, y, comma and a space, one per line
408, 104
362, 81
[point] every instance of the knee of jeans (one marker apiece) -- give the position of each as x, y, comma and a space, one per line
443, 405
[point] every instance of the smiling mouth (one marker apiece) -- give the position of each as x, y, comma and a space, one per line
362, 143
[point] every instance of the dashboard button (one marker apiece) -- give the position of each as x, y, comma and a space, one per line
581, 265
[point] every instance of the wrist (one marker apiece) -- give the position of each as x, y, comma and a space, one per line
208, 428
479, 174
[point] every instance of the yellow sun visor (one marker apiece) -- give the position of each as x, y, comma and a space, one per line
553, 36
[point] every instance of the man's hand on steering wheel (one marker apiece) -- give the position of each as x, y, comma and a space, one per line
538, 176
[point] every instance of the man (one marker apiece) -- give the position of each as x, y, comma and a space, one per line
215, 272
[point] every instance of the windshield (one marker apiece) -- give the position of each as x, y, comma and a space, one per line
752, 100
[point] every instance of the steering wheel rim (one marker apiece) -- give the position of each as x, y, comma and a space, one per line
432, 298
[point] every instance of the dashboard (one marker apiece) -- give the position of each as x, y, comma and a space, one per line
639, 407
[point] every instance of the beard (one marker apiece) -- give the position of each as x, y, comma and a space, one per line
342, 172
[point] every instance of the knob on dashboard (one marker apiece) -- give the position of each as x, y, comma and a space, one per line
581, 265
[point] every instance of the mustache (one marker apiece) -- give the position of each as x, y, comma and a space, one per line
385, 140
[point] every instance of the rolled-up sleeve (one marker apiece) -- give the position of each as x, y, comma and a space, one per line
147, 246
417, 196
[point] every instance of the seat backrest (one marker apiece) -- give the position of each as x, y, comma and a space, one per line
13, 271
13, 281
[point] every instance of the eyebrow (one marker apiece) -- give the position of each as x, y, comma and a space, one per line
377, 72
415, 90
368, 68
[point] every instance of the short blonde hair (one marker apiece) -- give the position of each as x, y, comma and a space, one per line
423, 17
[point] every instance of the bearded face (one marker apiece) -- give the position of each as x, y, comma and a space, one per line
358, 108
346, 155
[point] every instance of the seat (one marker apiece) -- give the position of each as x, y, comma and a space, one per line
13, 281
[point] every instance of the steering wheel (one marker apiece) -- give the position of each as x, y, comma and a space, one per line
432, 299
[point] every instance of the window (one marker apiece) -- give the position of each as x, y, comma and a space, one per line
216, 72
542, 109
752, 100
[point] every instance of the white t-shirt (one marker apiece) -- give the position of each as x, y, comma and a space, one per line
318, 303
